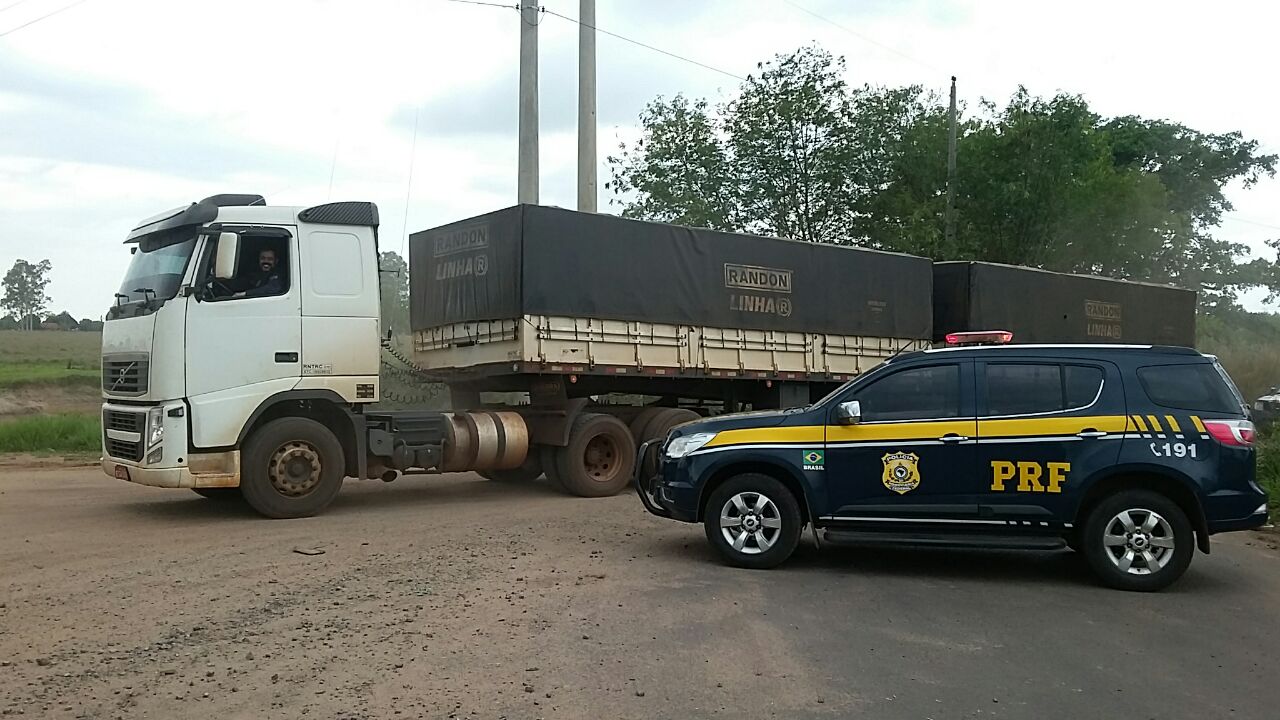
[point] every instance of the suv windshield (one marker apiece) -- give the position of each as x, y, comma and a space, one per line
156, 274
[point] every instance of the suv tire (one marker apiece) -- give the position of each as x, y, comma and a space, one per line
753, 521
1138, 540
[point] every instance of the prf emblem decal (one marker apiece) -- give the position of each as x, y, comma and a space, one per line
901, 472
813, 460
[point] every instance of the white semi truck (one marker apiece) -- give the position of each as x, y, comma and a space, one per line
242, 354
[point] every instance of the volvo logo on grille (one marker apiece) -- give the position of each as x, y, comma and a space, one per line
121, 376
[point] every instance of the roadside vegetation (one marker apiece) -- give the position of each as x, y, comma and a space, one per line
51, 434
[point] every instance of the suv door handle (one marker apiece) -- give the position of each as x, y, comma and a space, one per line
1091, 433
953, 438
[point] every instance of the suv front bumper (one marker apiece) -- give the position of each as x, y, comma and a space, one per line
660, 487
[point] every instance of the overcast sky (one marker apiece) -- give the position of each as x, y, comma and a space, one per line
117, 109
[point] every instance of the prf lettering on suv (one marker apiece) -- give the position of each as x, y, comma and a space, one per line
1132, 455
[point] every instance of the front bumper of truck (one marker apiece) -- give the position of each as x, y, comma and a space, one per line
132, 452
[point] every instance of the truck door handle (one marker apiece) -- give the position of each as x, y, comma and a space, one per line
1091, 433
953, 438
287, 357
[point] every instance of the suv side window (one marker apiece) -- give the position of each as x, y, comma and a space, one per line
1188, 387
1023, 389
1037, 389
922, 393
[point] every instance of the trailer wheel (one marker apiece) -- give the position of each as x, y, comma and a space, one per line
221, 494
599, 458
291, 467
547, 455
528, 472
641, 421
659, 425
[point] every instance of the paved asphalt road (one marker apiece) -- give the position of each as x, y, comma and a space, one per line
457, 597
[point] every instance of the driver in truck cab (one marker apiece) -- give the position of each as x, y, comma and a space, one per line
267, 280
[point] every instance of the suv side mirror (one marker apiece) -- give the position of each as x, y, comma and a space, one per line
227, 257
848, 413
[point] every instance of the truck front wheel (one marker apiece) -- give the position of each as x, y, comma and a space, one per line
599, 457
291, 467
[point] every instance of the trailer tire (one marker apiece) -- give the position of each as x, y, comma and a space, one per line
599, 458
659, 425
291, 467
221, 494
641, 421
547, 454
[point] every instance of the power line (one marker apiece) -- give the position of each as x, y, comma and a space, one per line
598, 29
29, 23
12, 5
1250, 222
865, 38
644, 45
489, 4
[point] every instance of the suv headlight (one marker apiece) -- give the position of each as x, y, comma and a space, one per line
686, 444
155, 426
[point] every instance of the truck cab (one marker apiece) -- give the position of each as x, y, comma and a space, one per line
233, 313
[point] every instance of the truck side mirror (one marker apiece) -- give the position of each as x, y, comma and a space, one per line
848, 413
227, 257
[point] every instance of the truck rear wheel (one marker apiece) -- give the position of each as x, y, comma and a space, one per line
291, 467
599, 457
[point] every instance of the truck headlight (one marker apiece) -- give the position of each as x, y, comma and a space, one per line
155, 426
686, 444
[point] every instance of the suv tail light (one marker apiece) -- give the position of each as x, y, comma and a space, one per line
1234, 433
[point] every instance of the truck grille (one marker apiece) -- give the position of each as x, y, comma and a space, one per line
125, 374
124, 450
126, 421
123, 421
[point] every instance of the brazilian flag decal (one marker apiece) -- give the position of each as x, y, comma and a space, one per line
813, 460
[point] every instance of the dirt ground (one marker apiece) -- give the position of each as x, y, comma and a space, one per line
49, 399
457, 597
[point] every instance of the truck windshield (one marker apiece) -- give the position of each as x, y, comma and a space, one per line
156, 274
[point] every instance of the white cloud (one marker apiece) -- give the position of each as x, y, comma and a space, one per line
112, 111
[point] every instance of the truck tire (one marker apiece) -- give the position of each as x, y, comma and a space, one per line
641, 421
660, 424
547, 455
291, 467
599, 458
1138, 540
753, 521
221, 494
529, 471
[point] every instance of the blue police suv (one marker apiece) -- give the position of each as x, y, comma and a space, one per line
1132, 455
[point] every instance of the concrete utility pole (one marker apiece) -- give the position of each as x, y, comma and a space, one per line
587, 105
527, 168
950, 217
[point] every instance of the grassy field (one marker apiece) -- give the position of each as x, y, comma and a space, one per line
70, 433
46, 373
78, 349
49, 357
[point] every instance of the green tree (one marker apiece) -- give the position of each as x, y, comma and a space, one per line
24, 294
1041, 181
679, 171
394, 293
